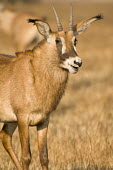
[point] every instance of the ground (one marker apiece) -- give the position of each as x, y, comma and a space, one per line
80, 135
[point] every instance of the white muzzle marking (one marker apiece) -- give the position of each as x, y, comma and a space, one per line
70, 64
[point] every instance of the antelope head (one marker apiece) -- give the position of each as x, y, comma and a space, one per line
64, 42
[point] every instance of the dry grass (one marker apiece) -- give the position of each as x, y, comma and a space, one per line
80, 135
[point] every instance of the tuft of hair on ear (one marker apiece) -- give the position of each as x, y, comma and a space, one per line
99, 16
33, 20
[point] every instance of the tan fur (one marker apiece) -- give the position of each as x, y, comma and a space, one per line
40, 72
15, 24
31, 84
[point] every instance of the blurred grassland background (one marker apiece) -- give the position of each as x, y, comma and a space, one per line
80, 135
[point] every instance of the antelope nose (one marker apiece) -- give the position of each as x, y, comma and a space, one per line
78, 63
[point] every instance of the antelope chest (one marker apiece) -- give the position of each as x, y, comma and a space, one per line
47, 99
46, 103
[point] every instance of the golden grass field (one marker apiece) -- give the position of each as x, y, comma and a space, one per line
80, 135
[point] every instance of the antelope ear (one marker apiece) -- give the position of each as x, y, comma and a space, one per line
83, 25
42, 27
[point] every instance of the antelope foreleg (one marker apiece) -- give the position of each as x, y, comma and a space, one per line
42, 144
23, 128
6, 137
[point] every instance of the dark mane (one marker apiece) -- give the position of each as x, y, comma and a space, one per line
6, 55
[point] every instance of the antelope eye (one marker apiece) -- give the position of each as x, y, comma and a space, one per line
58, 41
75, 41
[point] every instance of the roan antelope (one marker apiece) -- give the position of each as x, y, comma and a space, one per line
32, 84
14, 24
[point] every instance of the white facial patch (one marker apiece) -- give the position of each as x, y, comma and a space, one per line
73, 39
63, 45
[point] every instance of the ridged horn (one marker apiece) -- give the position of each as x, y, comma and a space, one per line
60, 28
71, 19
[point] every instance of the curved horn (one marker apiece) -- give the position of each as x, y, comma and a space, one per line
71, 19
60, 28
